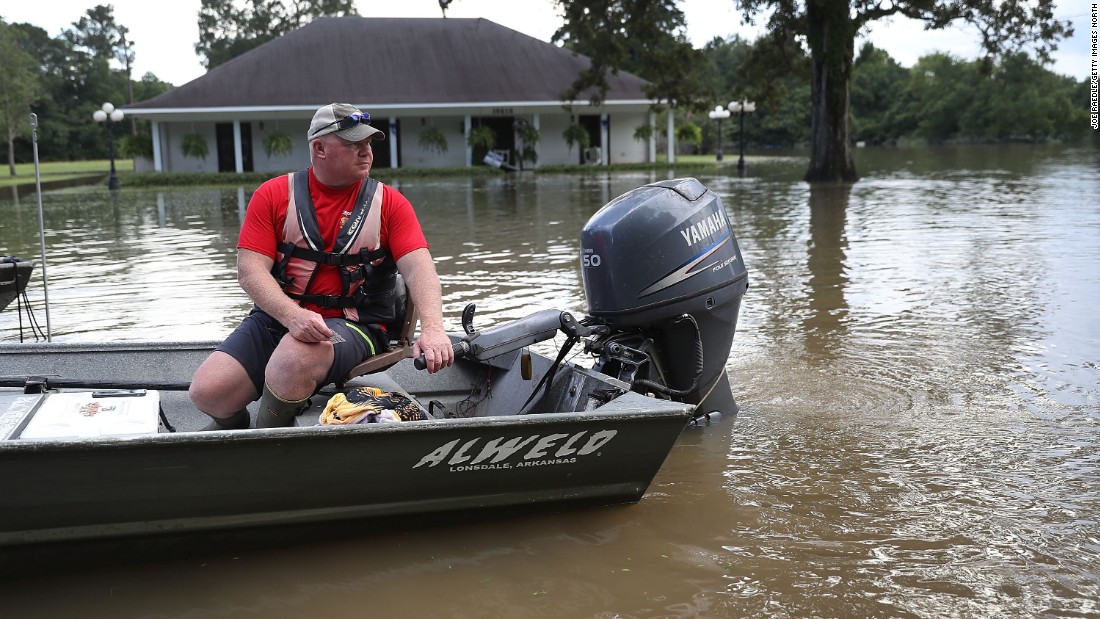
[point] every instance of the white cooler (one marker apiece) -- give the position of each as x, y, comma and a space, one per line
90, 414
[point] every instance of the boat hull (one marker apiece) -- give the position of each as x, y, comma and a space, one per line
161, 484
73, 490
15, 274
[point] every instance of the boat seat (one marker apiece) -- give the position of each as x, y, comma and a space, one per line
400, 345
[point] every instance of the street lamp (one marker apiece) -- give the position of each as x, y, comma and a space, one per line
719, 114
108, 114
741, 108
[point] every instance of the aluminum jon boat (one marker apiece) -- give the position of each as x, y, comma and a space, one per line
15, 273
99, 444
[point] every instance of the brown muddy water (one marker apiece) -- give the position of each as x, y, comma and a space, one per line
916, 363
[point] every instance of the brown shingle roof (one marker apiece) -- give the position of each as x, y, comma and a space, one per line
392, 61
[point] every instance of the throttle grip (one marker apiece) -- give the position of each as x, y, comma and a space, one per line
460, 349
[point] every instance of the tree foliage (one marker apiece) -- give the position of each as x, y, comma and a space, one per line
18, 85
1010, 96
829, 28
645, 37
97, 34
72, 75
941, 98
944, 98
877, 83
229, 28
775, 77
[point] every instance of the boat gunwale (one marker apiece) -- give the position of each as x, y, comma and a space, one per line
319, 432
626, 408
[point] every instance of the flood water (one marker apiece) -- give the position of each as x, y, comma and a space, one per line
916, 362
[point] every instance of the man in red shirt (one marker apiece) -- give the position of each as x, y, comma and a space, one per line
317, 254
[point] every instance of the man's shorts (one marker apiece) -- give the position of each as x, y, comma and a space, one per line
253, 342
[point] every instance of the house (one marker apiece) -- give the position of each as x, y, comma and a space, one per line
425, 82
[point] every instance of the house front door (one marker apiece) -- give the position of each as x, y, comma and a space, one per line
227, 159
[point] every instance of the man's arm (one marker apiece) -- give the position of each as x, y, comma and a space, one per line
422, 282
254, 276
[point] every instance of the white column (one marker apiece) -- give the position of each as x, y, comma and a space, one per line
238, 155
158, 161
651, 118
467, 123
604, 129
392, 137
671, 137
538, 154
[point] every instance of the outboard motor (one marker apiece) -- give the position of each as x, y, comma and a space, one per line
662, 270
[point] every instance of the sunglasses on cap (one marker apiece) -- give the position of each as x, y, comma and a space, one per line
349, 121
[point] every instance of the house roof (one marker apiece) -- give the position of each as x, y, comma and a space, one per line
387, 62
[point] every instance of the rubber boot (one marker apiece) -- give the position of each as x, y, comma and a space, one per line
276, 412
237, 421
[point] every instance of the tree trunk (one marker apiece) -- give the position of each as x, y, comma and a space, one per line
11, 151
130, 96
831, 37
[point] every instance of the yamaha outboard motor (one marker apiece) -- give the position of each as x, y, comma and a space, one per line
662, 270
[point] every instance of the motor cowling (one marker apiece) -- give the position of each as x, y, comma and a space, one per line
652, 256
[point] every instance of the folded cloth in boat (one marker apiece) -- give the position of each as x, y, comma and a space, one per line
370, 405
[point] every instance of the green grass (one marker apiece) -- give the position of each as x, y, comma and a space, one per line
59, 170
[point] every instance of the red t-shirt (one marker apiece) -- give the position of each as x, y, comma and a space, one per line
264, 220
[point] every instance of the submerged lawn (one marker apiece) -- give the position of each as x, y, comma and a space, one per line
60, 170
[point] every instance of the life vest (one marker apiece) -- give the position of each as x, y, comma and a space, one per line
367, 269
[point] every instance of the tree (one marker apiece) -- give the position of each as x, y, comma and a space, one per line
772, 72
18, 85
1023, 101
74, 75
950, 99
829, 29
776, 75
97, 33
91, 45
103, 39
229, 28
125, 55
645, 37
939, 90
718, 71
877, 82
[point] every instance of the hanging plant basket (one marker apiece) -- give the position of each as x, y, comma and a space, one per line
278, 144
433, 140
194, 145
482, 137
139, 145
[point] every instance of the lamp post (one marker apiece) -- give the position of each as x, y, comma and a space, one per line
741, 108
719, 114
108, 114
